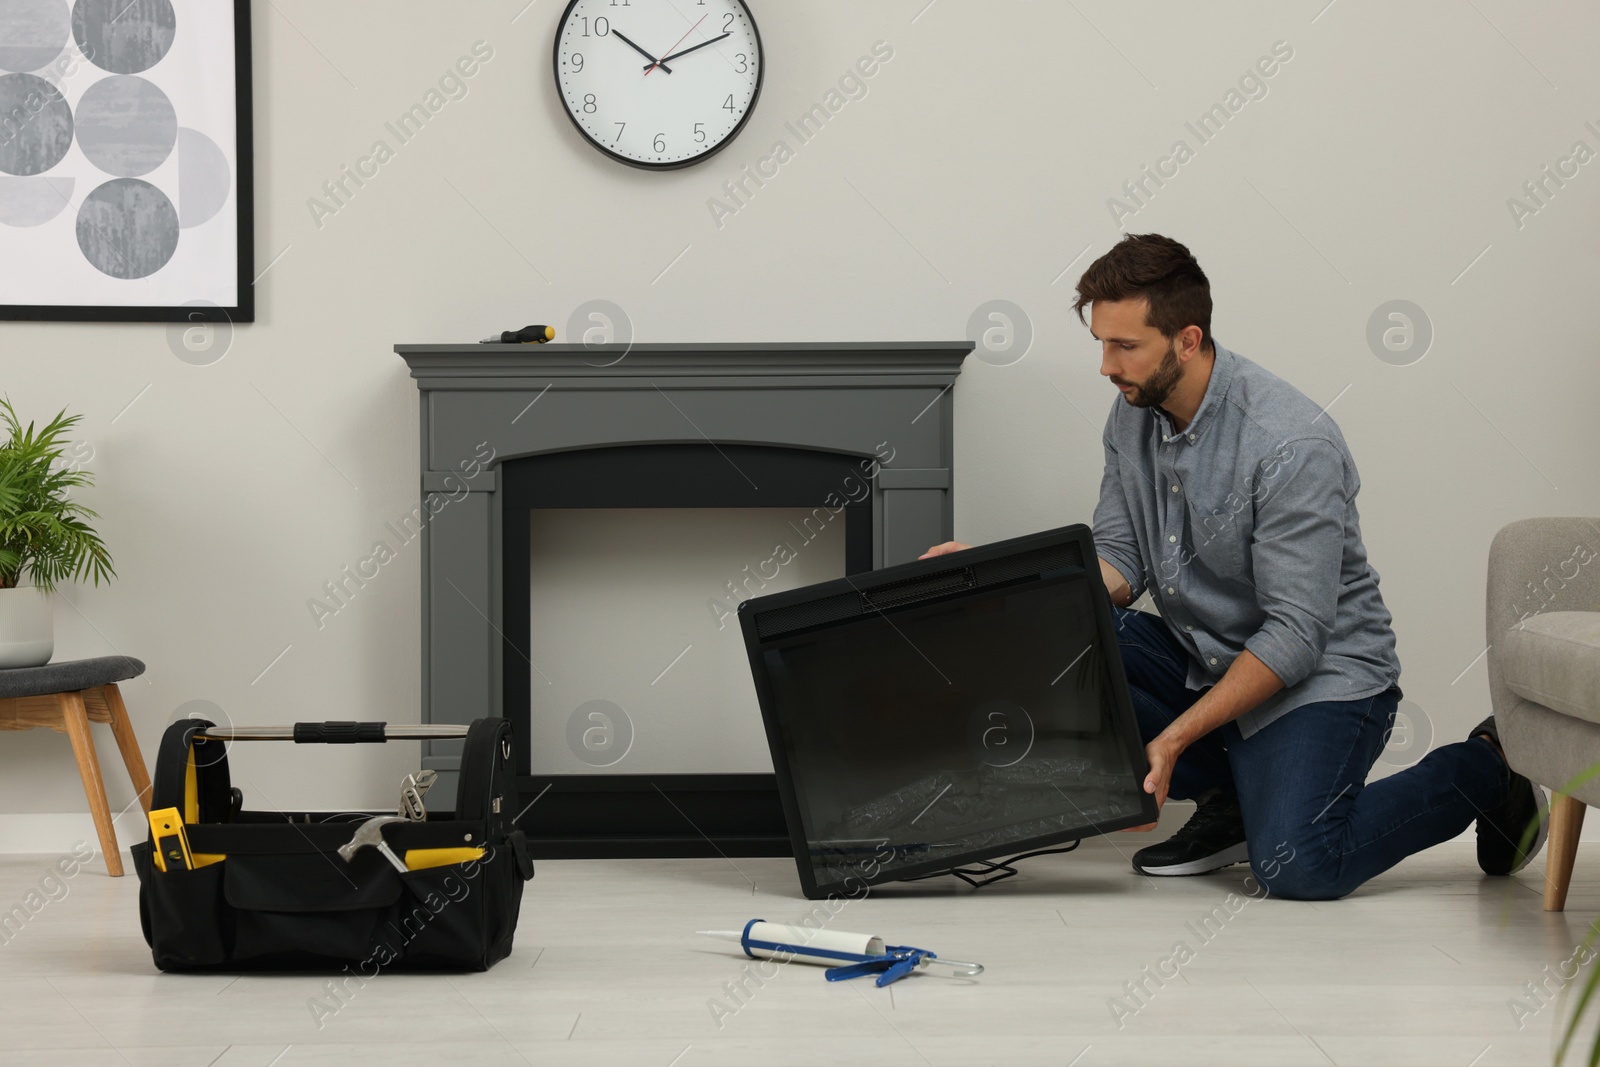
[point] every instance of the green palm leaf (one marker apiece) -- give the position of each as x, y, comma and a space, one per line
43, 533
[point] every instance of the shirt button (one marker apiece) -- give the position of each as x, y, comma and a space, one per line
1191, 437
1172, 537
1187, 627
1171, 591
1213, 660
1174, 489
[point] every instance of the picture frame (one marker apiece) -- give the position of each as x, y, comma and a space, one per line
126, 162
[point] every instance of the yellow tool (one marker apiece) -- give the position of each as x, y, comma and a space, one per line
171, 852
420, 859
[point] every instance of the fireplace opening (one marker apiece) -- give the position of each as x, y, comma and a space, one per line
622, 567
636, 663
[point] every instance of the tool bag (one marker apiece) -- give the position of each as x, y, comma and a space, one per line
269, 889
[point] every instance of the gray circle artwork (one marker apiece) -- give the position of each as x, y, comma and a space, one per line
203, 178
127, 228
126, 126
600, 322
1399, 332
599, 733
37, 124
197, 341
124, 36
1002, 331
33, 201
32, 32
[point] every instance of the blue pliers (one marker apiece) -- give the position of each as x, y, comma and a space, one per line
897, 962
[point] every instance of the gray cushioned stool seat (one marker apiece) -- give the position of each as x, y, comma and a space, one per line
67, 697
68, 676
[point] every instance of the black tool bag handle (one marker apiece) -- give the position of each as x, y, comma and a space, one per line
212, 799
487, 788
486, 792
340, 733
337, 733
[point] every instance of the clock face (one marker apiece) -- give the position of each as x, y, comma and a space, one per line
658, 83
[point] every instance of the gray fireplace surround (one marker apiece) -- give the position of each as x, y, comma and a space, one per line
490, 413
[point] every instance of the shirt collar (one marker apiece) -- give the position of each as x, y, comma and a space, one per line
1216, 392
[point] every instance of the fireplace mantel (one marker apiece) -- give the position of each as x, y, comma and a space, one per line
483, 405
612, 362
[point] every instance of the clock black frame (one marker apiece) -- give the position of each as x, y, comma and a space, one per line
755, 98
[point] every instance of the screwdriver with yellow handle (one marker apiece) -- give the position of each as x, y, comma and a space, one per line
528, 335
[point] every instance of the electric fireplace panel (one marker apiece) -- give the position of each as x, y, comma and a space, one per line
963, 708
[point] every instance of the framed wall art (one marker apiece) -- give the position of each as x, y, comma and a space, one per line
125, 161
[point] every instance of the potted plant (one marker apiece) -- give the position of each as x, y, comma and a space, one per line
44, 539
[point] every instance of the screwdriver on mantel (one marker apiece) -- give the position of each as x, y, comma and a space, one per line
528, 335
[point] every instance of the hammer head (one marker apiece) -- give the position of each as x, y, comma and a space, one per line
367, 835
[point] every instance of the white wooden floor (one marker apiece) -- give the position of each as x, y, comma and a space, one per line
1420, 966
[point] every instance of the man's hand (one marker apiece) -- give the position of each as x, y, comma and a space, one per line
944, 549
1161, 755
1246, 684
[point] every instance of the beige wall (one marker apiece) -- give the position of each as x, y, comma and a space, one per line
978, 166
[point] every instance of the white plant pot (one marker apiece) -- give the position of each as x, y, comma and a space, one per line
27, 628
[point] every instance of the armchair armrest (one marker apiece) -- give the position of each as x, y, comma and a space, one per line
1537, 565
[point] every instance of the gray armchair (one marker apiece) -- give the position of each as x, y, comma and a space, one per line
1543, 629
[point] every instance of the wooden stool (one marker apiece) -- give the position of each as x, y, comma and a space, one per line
66, 697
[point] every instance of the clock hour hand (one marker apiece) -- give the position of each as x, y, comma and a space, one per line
686, 51
654, 62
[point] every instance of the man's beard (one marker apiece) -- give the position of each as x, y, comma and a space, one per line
1162, 381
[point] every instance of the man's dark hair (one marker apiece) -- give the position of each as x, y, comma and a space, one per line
1163, 272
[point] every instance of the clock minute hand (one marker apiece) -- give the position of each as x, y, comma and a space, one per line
679, 41
697, 47
654, 62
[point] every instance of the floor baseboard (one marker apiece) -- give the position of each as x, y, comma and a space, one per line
58, 833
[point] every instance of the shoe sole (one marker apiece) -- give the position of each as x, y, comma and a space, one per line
1239, 853
1540, 803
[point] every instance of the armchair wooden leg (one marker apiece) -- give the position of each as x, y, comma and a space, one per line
1566, 821
122, 729
76, 718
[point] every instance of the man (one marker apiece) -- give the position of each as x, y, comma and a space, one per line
1266, 688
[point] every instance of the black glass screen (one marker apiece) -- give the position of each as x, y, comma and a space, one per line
974, 725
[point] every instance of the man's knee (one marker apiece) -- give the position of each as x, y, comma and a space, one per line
1146, 648
1298, 870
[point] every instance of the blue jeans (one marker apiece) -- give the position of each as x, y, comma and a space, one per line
1314, 828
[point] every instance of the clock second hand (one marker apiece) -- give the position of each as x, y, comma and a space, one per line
654, 62
680, 40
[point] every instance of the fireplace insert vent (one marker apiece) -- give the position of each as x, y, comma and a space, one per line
899, 593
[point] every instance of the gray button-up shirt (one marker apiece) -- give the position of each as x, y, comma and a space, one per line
1244, 529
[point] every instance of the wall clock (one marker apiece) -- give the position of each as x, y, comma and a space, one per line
658, 83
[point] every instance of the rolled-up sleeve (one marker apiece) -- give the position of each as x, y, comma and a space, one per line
1296, 552
1114, 538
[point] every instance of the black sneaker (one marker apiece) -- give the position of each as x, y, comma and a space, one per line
1213, 838
1501, 829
